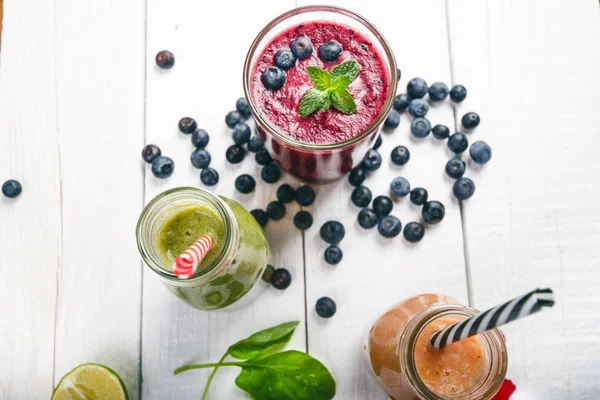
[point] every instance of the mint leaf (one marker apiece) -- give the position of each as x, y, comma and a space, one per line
347, 68
343, 101
263, 342
319, 77
313, 100
341, 82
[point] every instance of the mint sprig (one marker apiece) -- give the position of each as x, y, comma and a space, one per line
330, 89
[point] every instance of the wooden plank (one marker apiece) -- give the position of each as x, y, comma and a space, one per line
100, 91
376, 273
204, 83
531, 72
30, 232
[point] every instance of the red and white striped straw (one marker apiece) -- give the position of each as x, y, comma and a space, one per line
184, 266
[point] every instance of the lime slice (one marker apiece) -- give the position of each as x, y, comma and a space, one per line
90, 382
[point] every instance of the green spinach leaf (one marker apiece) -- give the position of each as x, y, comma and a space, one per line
265, 341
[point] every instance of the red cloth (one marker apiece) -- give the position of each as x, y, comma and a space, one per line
506, 390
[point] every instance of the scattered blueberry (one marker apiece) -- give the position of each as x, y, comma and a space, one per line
458, 93
470, 120
209, 176
233, 118
261, 216
400, 102
245, 183
392, 121
275, 210
286, 193
378, 142
165, 59
361, 196
416, 88
382, 205
162, 167
433, 212
305, 195
281, 278
372, 160
463, 188
241, 133
332, 232
418, 108
200, 158
285, 59
263, 157
480, 152
389, 226
357, 176
420, 127
270, 173
330, 51
414, 232
455, 167
241, 105
235, 154
200, 138
255, 144
273, 78
400, 155
400, 186
458, 143
12, 188
398, 74
333, 255
325, 307
150, 152
438, 91
367, 218
302, 47
418, 196
303, 220
440, 132
187, 125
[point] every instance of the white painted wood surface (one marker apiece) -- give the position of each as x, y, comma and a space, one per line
80, 95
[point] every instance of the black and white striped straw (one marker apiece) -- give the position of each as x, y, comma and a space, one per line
520, 307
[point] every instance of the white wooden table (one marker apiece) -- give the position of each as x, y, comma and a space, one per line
80, 95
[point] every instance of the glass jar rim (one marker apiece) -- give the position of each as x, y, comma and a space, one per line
387, 106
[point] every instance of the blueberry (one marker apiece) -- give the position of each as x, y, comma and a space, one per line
209, 176
332, 232
438, 91
455, 167
361, 196
400, 155
303, 220
458, 143
255, 144
286, 193
418, 108
333, 255
458, 93
11, 188
440, 132
245, 183
330, 51
150, 152
416, 88
235, 154
241, 105
470, 120
241, 133
357, 176
398, 74
389, 226
233, 118
162, 167
281, 278
392, 121
382, 205
414, 232
480, 152
273, 78
263, 157
401, 102
200, 158
302, 47
420, 127
165, 59
372, 160
275, 210
305, 195
463, 188
433, 212
200, 138
418, 196
187, 125
261, 216
285, 59
325, 307
270, 173
378, 142
367, 218
400, 186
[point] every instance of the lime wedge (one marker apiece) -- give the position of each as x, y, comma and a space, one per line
90, 382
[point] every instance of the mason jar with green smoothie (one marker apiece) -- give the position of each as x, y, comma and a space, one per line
174, 220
